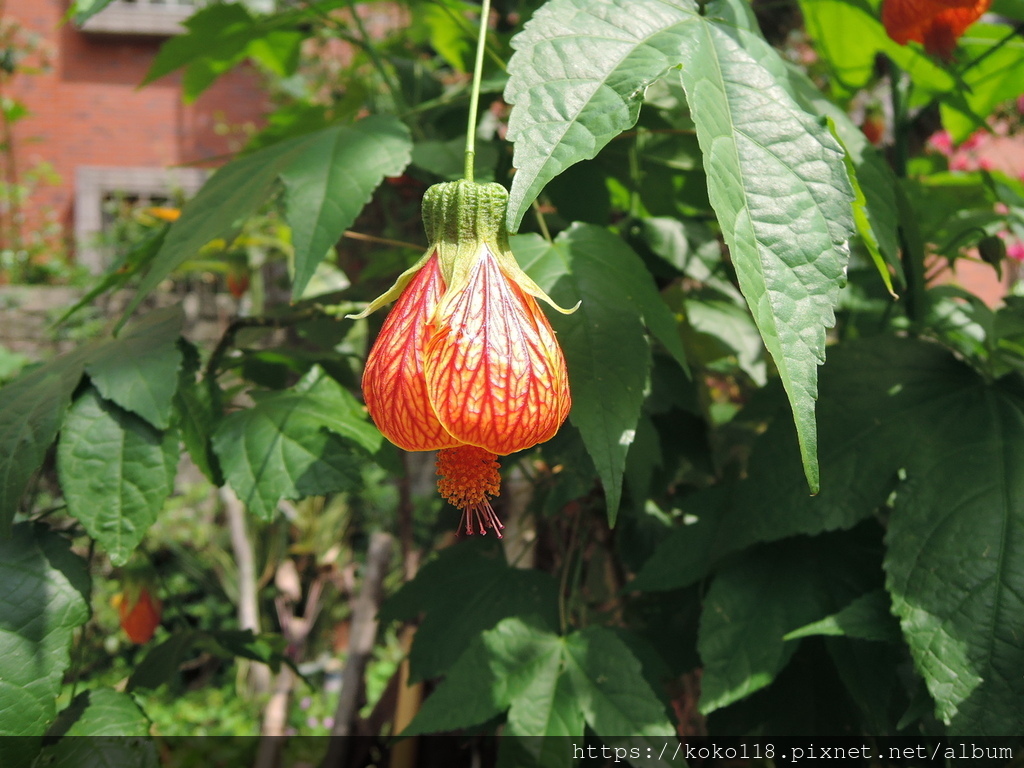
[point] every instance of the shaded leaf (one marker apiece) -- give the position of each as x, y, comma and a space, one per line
196, 417
955, 563
884, 404
116, 472
99, 729
869, 617
467, 589
603, 341
162, 661
551, 686
754, 603
44, 596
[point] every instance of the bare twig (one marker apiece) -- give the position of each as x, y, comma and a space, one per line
257, 675
360, 646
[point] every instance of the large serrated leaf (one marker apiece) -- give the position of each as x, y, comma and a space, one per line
294, 443
776, 177
753, 603
551, 686
31, 411
603, 341
99, 729
116, 471
329, 174
138, 370
778, 184
955, 563
577, 78
44, 596
881, 399
455, 614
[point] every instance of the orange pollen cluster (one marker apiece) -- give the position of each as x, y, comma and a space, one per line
468, 475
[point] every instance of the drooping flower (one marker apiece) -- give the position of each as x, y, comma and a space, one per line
466, 363
139, 612
936, 24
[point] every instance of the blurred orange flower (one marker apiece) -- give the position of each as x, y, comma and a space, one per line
140, 613
936, 24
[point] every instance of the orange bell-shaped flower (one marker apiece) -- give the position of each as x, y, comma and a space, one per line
466, 362
936, 24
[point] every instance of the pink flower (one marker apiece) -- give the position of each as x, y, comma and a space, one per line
942, 142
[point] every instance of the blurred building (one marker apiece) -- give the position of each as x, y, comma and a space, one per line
104, 137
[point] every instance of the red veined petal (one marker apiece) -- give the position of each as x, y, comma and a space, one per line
393, 383
495, 373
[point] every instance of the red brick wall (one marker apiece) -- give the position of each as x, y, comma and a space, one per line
87, 108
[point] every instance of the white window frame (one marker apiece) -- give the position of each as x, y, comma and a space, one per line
94, 184
161, 18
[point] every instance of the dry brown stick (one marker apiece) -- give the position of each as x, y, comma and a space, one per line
360, 645
257, 675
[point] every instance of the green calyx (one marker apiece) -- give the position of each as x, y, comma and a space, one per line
461, 219
465, 213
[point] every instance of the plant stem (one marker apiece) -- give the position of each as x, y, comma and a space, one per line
367, 44
474, 92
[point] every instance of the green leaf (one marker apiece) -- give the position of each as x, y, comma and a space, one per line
603, 341
609, 687
269, 649
83, 10
881, 399
755, 602
868, 617
44, 596
100, 712
577, 79
777, 182
551, 686
467, 589
138, 255
329, 176
849, 35
776, 177
955, 563
330, 180
162, 661
139, 369
117, 734
31, 411
995, 75
874, 184
196, 416
287, 445
218, 37
116, 472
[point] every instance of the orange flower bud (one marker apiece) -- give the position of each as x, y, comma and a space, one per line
466, 358
936, 24
140, 614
